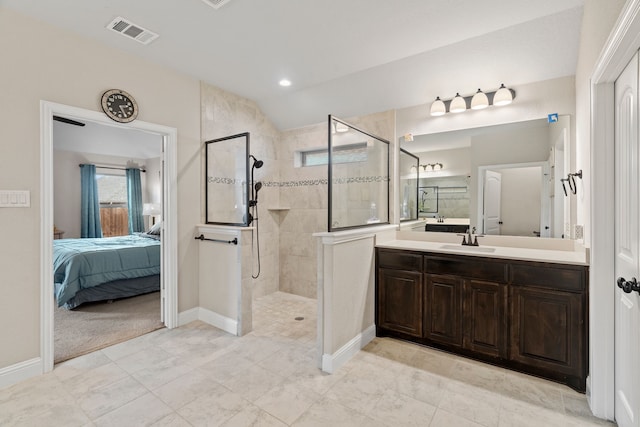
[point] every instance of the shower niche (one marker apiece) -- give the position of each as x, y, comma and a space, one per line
228, 189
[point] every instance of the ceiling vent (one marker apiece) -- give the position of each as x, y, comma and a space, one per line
132, 31
216, 4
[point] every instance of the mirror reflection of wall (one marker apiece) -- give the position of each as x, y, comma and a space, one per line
446, 196
528, 143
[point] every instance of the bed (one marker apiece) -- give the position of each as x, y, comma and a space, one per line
87, 270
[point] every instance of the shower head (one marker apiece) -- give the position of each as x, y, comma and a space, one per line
256, 163
257, 187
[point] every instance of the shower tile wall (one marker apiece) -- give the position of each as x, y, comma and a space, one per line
305, 191
224, 114
293, 201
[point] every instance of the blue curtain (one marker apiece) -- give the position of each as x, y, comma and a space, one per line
89, 203
134, 200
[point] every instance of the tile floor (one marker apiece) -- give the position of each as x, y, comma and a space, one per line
198, 375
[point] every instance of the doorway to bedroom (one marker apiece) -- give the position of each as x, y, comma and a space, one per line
124, 211
129, 288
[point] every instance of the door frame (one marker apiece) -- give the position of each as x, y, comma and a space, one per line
170, 212
623, 42
544, 189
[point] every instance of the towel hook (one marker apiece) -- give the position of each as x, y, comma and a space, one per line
571, 180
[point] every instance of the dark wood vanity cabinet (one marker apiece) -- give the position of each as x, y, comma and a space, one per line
399, 293
485, 317
400, 301
527, 316
548, 321
443, 309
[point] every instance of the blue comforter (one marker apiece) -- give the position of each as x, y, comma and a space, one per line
84, 263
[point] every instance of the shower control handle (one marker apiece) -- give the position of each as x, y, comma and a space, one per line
628, 286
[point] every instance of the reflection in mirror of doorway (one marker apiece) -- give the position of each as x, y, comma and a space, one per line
464, 152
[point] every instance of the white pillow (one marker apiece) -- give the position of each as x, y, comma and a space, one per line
155, 229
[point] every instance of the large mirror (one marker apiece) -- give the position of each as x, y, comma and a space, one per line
503, 179
227, 180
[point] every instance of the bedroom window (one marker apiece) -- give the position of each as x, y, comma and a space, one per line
114, 214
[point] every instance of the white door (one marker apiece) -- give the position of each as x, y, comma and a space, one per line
491, 209
627, 255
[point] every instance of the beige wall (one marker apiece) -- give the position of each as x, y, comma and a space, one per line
66, 185
44, 63
226, 114
521, 215
597, 21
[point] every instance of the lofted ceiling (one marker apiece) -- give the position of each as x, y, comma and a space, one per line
343, 57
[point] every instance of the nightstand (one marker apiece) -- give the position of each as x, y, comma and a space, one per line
57, 234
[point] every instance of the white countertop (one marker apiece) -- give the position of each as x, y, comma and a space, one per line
523, 254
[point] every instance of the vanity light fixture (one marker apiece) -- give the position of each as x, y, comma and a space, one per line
480, 100
432, 167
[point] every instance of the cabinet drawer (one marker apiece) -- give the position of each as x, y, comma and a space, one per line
549, 276
469, 267
399, 260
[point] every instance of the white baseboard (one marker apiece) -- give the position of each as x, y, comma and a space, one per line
219, 321
211, 317
20, 371
331, 362
185, 317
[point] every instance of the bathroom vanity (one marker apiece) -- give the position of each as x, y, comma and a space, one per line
522, 309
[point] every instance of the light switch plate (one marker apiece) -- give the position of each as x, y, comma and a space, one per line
15, 199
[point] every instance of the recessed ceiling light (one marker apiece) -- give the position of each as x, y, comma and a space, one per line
285, 82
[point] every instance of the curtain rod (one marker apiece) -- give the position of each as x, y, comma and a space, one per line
113, 167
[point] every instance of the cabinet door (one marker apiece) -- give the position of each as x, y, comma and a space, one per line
547, 329
400, 301
484, 318
443, 302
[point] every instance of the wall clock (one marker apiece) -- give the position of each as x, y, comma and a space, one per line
119, 106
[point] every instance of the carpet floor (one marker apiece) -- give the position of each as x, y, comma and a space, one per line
94, 326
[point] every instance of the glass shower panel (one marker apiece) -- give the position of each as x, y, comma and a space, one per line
409, 176
227, 178
359, 177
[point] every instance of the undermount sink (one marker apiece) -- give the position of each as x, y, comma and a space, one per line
468, 248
